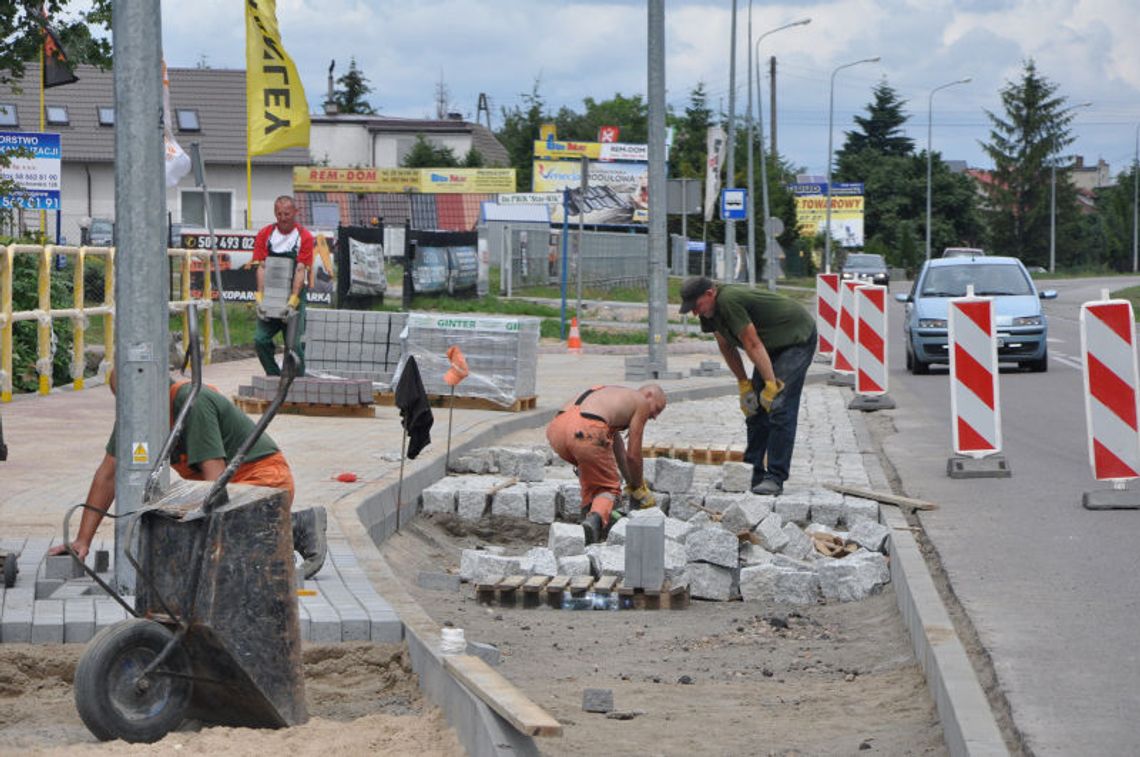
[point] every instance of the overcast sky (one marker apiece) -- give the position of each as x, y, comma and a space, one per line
596, 48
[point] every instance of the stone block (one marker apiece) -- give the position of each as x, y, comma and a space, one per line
673, 476
567, 539
857, 509
437, 581
676, 560
471, 504
542, 501
771, 533
870, 535
524, 464
745, 515
772, 583
799, 545
645, 552
598, 700
475, 461
719, 502
440, 496
793, 508
854, 577
574, 565
488, 565
61, 567
570, 501
488, 653
685, 506
616, 535
707, 581
827, 510
736, 477
510, 501
540, 561
753, 554
713, 545
606, 560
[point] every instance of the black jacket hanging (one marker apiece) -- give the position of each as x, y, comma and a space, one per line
415, 412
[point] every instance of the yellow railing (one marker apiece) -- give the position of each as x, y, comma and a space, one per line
79, 313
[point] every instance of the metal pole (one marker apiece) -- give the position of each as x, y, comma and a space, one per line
730, 142
930, 153
830, 120
1053, 219
200, 178
769, 242
1135, 199
141, 327
751, 188
581, 215
658, 237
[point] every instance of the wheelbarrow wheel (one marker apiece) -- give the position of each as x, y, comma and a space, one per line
113, 702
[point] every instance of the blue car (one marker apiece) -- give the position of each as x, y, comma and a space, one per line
1021, 325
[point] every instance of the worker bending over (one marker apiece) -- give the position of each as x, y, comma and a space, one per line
585, 433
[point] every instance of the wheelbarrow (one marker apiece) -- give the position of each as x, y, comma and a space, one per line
214, 633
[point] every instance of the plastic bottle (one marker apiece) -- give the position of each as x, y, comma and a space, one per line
452, 641
590, 601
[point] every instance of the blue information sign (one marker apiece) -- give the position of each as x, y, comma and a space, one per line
36, 173
734, 204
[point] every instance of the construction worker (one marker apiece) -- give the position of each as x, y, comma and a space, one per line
284, 243
779, 336
585, 433
212, 433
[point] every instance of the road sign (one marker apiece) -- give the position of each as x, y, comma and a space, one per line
733, 204
37, 177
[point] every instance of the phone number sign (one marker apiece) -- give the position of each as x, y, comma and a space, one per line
36, 172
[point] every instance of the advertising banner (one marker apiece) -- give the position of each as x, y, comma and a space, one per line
381, 180
846, 211
604, 151
715, 156
38, 177
239, 273
617, 193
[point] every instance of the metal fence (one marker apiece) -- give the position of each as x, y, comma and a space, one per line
608, 259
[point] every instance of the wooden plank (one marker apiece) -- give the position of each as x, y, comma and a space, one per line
535, 583
463, 403
581, 584
558, 583
502, 696
485, 591
605, 584
905, 503
258, 407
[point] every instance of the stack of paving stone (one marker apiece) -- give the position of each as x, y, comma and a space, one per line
501, 354
362, 344
312, 391
721, 540
710, 368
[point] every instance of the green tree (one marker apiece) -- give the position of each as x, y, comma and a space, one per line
630, 114
519, 131
350, 97
426, 155
474, 159
1106, 235
690, 133
1025, 143
882, 128
21, 29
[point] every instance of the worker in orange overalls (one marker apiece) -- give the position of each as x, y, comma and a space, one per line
586, 434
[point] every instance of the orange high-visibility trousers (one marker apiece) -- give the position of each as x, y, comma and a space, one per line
587, 443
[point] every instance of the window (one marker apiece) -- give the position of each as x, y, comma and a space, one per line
8, 115
187, 120
56, 115
326, 215
221, 209
106, 116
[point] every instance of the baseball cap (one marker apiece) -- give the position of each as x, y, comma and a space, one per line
692, 288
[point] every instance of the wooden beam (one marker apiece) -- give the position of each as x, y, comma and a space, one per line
502, 696
906, 503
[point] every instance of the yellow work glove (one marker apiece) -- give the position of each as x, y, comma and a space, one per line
641, 496
294, 301
749, 402
258, 296
769, 393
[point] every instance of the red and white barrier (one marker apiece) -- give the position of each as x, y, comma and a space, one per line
843, 359
975, 405
826, 310
871, 340
1108, 350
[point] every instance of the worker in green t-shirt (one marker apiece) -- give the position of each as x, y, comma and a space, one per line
778, 336
211, 436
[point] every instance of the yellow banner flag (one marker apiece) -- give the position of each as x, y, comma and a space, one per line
276, 109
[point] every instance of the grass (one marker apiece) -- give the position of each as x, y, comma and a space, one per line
1132, 294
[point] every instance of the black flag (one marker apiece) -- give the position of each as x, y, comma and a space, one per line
415, 411
56, 72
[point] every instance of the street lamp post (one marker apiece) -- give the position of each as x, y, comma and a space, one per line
930, 151
768, 242
1135, 198
1053, 201
830, 119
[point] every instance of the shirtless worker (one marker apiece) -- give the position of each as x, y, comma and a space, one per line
585, 433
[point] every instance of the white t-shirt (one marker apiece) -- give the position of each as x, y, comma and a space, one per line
279, 242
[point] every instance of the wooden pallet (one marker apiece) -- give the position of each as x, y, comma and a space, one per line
537, 591
700, 455
463, 403
258, 406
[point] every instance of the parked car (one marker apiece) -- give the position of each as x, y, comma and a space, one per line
1021, 325
101, 233
866, 267
962, 252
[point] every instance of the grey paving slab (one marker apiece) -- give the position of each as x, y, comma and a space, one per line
108, 612
47, 621
78, 620
16, 625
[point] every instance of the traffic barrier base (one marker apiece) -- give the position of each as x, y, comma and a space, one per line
869, 403
994, 466
1111, 499
841, 379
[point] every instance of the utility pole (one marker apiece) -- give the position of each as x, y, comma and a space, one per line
772, 105
730, 167
142, 404
658, 276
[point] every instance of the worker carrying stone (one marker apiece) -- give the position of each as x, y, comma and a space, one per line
211, 436
285, 252
586, 434
778, 336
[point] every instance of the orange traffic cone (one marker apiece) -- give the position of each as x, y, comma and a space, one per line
574, 342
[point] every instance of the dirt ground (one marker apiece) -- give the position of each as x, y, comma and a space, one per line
362, 698
717, 678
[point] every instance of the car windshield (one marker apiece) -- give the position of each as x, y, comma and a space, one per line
864, 261
995, 280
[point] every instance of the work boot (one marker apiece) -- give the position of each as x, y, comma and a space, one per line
309, 538
592, 524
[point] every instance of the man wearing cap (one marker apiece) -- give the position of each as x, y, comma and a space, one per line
778, 336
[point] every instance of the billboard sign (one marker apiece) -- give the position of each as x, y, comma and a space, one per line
37, 177
604, 151
617, 193
846, 210
387, 180
239, 272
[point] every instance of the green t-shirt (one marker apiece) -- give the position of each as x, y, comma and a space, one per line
215, 428
780, 321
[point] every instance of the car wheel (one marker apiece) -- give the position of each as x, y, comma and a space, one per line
909, 359
918, 367
1038, 366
